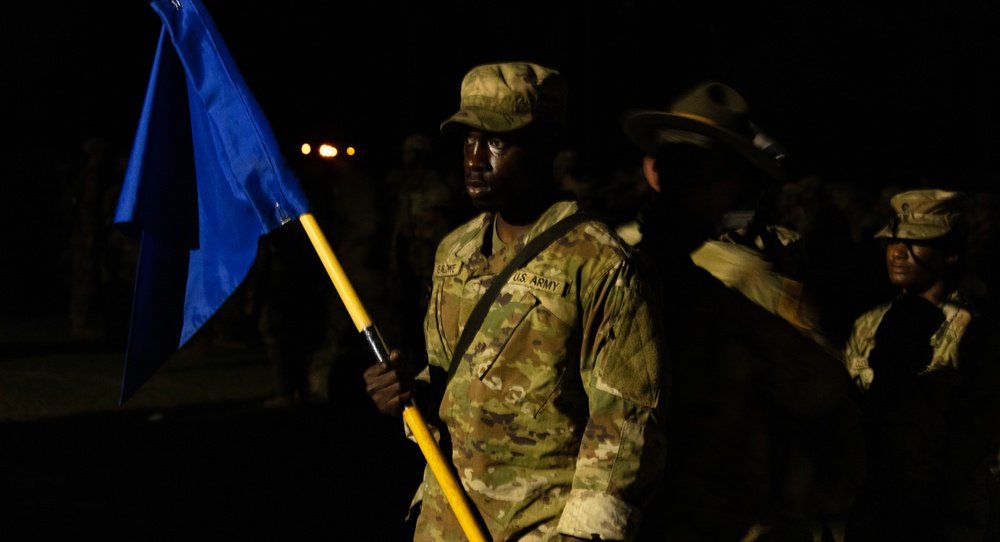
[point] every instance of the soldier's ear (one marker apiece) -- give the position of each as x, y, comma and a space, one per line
649, 171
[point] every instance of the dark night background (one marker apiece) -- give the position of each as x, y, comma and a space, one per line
868, 92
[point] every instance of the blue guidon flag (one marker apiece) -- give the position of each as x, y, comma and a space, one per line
205, 181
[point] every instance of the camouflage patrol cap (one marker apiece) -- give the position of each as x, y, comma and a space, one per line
507, 96
924, 214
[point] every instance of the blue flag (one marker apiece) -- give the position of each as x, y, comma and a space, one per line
205, 181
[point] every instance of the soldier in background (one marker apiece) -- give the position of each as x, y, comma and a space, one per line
764, 440
307, 331
928, 365
424, 212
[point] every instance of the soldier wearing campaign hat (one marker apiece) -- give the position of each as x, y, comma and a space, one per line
551, 415
928, 365
709, 146
734, 413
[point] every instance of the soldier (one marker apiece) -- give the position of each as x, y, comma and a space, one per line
764, 440
425, 209
551, 415
928, 365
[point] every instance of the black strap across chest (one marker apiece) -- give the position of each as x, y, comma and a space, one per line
529, 251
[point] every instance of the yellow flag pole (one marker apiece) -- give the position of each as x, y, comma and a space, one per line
411, 414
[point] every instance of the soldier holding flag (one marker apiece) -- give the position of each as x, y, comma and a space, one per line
552, 414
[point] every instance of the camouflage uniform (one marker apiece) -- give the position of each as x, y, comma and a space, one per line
929, 377
553, 412
931, 400
920, 216
944, 342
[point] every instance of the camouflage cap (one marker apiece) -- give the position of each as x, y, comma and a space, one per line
508, 96
924, 214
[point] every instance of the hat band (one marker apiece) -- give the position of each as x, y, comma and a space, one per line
701, 119
725, 129
674, 135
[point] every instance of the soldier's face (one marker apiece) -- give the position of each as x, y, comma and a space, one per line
914, 266
495, 170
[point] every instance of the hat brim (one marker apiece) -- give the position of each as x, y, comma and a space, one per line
483, 119
645, 127
912, 232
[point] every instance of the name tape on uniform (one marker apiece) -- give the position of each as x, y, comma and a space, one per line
447, 269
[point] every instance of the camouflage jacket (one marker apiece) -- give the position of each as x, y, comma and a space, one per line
553, 411
944, 342
933, 439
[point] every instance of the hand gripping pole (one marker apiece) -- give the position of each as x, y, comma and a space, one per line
457, 499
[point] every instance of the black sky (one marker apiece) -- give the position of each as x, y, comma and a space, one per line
857, 91
847, 86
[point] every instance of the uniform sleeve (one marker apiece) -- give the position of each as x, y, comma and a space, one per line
858, 347
430, 379
625, 371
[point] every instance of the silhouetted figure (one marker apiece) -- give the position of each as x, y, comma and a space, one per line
764, 440
102, 260
306, 329
425, 211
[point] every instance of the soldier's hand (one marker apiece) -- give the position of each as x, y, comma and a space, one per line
390, 384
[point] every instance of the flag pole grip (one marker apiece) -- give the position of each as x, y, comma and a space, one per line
411, 414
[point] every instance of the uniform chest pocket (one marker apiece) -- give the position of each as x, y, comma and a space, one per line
519, 355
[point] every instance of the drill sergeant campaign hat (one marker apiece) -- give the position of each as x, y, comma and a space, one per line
707, 115
507, 96
924, 214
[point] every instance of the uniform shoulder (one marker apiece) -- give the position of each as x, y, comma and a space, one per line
465, 229
597, 231
873, 315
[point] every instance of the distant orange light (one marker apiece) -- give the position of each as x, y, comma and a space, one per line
350, 151
306, 148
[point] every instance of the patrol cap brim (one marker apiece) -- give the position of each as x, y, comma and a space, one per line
911, 231
483, 119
